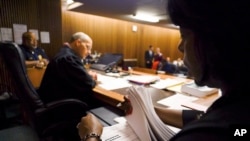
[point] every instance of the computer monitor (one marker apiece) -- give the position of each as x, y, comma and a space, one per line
110, 59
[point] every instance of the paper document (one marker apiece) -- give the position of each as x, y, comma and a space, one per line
175, 101
104, 79
112, 83
165, 83
122, 131
202, 106
194, 106
119, 132
115, 84
144, 120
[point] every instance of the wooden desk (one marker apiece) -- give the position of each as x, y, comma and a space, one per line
144, 70
115, 97
111, 97
35, 75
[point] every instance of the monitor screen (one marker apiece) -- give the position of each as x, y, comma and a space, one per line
110, 59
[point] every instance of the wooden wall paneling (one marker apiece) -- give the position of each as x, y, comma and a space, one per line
109, 35
166, 39
116, 36
43, 15
67, 27
130, 42
120, 37
50, 19
19, 12
103, 35
174, 41
148, 37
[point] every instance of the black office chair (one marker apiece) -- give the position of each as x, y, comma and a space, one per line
54, 119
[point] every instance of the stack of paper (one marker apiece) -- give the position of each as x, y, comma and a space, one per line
144, 120
193, 89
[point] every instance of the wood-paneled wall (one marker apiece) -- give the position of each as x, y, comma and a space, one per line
116, 36
109, 35
43, 15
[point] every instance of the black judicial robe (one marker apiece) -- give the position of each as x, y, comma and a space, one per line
65, 77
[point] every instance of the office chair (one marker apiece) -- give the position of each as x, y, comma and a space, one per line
52, 119
18, 133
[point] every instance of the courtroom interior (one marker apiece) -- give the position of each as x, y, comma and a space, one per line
121, 54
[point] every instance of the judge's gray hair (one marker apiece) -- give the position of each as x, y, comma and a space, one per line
79, 35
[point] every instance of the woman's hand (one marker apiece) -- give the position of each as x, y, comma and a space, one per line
89, 124
126, 106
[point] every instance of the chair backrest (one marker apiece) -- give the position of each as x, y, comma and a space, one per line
14, 78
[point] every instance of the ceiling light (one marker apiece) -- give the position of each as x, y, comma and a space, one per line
74, 5
144, 17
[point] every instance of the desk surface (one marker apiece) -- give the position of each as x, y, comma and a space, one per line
36, 76
115, 97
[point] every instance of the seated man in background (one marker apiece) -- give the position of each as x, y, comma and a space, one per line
167, 66
180, 66
34, 56
65, 76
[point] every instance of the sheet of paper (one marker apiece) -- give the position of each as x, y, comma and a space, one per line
45, 37
104, 79
175, 101
18, 30
119, 132
165, 83
112, 83
6, 34
176, 88
195, 106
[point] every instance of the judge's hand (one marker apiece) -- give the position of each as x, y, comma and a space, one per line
89, 124
93, 75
